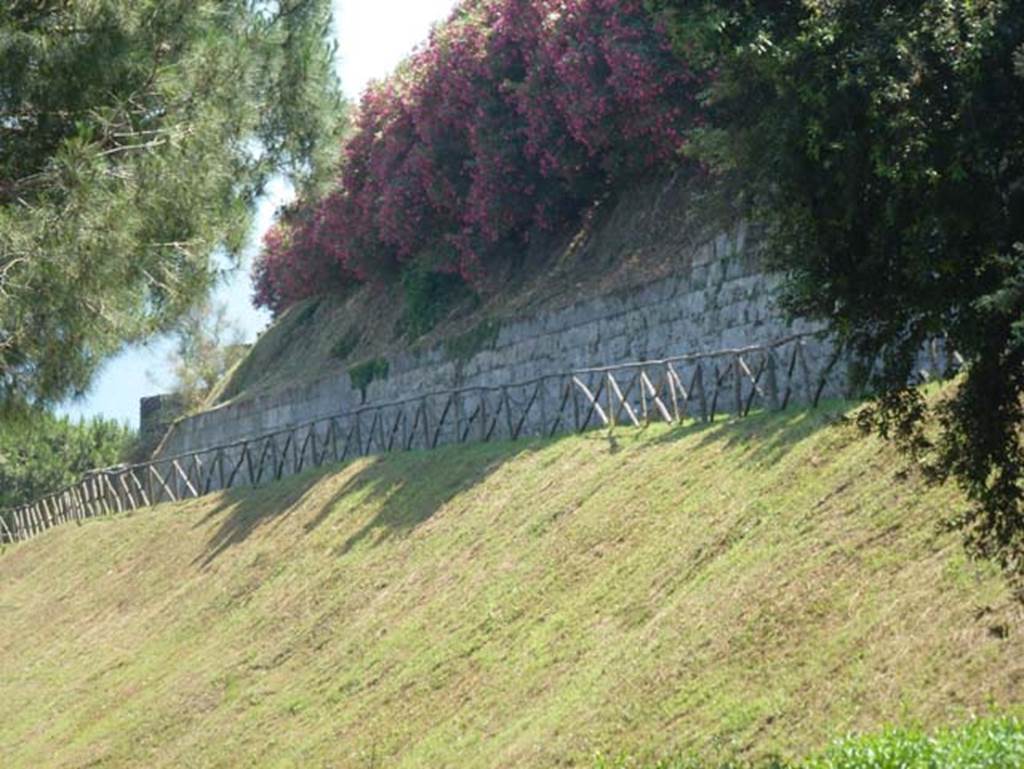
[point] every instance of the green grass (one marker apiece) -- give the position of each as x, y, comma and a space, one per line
988, 743
984, 744
745, 589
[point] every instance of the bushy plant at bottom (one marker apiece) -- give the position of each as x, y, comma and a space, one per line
987, 743
996, 743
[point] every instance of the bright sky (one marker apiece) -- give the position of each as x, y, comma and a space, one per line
373, 37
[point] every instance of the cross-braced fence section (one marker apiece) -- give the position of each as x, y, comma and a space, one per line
699, 387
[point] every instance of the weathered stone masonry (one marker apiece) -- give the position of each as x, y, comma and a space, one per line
725, 299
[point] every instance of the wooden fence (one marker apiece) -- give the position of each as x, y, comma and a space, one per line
798, 369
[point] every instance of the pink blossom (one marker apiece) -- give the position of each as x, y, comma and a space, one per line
514, 116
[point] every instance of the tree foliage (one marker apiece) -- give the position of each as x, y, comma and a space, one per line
514, 116
207, 347
41, 453
135, 136
883, 142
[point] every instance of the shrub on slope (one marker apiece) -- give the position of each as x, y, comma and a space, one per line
989, 743
515, 115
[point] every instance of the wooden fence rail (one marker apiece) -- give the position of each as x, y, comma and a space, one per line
700, 387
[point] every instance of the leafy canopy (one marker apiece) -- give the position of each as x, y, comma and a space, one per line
883, 142
44, 453
135, 136
207, 346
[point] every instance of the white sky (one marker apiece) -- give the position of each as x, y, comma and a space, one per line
373, 37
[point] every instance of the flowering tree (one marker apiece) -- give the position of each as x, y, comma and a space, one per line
298, 258
514, 116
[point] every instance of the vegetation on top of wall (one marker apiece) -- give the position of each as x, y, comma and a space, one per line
263, 359
429, 297
346, 344
515, 116
207, 347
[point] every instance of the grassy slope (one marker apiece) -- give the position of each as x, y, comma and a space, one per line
763, 585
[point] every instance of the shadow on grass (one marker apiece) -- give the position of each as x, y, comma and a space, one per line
766, 436
409, 488
242, 511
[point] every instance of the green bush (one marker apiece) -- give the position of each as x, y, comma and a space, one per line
41, 453
984, 744
429, 296
989, 743
346, 345
364, 374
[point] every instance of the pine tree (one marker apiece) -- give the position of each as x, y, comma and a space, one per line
135, 138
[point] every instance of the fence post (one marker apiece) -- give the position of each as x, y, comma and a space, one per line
334, 439
508, 413
381, 438
543, 406
737, 384
426, 422
459, 416
772, 384
805, 371
359, 433
698, 382
77, 502
100, 491
483, 416
612, 411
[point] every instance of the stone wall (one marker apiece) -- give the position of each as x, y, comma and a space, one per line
723, 300
156, 415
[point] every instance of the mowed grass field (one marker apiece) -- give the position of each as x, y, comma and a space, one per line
753, 588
